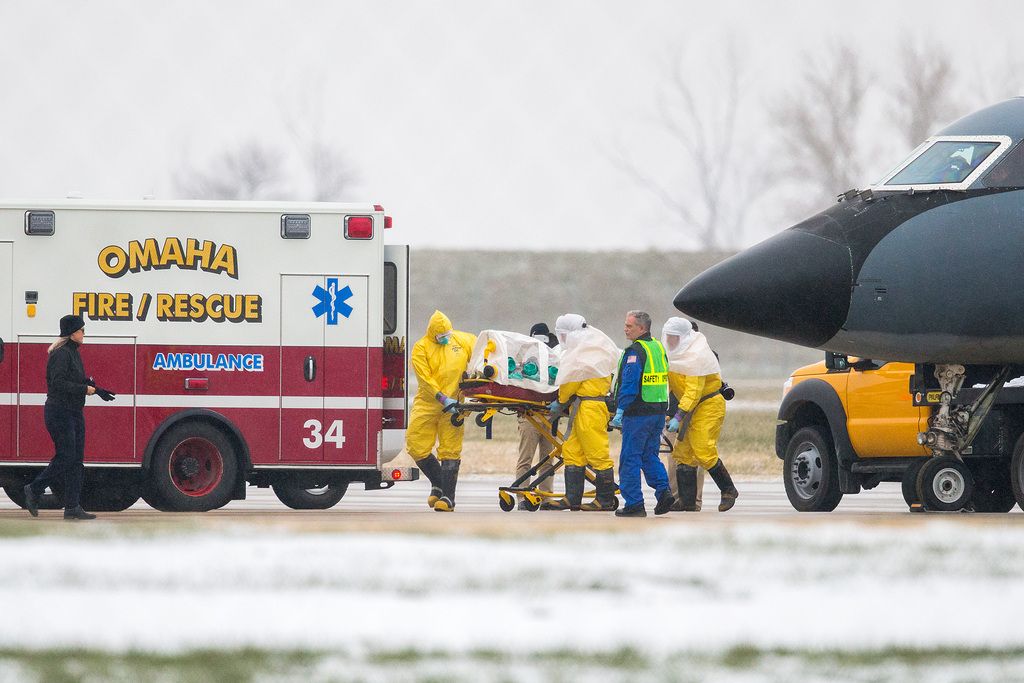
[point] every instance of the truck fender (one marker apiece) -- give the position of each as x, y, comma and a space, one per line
821, 394
245, 462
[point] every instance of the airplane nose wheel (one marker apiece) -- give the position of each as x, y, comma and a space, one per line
944, 483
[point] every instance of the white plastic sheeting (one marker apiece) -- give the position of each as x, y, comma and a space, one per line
496, 347
589, 353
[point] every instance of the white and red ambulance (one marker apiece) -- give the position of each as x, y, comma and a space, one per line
247, 342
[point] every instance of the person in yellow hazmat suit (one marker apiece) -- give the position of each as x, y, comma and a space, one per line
584, 380
439, 358
695, 379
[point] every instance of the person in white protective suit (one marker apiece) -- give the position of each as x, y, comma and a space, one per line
695, 380
584, 379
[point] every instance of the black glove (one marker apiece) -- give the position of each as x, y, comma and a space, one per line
90, 383
105, 395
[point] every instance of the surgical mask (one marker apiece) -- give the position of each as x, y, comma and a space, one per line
443, 339
541, 337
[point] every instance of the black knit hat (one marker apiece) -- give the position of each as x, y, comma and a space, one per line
542, 328
70, 324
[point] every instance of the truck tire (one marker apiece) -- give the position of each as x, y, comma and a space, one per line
109, 498
909, 482
298, 498
811, 471
194, 469
1017, 471
945, 484
993, 490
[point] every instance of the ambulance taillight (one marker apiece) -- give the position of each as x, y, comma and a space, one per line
358, 227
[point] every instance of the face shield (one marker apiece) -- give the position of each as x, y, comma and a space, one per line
443, 339
570, 322
677, 334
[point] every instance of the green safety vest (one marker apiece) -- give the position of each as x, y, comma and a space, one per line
654, 382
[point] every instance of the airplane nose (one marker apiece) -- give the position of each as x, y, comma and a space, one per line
794, 287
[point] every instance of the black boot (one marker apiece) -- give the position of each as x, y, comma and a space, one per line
449, 479
575, 476
665, 502
724, 481
77, 513
31, 501
686, 479
604, 498
431, 469
632, 511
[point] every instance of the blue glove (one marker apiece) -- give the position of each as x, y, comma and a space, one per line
673, 425
555, 408
446, 403
617, 420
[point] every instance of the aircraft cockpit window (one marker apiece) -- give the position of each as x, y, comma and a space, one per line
945, 162
1008, 171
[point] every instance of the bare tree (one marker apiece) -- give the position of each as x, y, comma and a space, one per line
706, 126
923, 95
819, 123
250, 171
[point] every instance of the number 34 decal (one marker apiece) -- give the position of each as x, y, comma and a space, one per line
316, 436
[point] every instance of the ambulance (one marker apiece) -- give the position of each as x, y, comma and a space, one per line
247, 342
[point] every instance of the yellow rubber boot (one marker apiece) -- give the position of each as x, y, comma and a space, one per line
449, 479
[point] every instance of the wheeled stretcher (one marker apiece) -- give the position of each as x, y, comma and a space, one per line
487, 398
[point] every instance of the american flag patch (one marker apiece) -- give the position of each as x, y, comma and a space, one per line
631, 359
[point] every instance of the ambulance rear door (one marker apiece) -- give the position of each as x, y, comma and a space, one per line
395, 362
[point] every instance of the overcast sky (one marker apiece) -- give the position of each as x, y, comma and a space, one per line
475, 123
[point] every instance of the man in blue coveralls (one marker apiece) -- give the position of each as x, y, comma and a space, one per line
642, 397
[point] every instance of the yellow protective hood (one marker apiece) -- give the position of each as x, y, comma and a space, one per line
439, 324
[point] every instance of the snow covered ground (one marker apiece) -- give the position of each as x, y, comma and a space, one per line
657, 602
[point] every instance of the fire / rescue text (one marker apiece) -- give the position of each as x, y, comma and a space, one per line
196, 308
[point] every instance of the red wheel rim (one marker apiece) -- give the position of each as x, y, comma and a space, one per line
196, 467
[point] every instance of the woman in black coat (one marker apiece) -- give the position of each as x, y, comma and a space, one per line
66, 388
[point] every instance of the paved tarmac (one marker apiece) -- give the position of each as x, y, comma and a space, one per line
403, 508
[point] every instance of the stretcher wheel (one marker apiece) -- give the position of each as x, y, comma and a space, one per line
482, 421
457, 420
531, 505
506, 501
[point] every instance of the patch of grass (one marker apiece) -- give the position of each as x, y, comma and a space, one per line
490, 664
741, 657
199, 666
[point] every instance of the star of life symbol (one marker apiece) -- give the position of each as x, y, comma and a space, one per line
331, 301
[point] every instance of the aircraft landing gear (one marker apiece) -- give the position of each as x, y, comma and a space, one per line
945, 483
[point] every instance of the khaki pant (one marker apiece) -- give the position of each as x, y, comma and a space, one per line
670, 466
532, 447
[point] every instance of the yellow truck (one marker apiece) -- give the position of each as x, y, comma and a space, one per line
846, 425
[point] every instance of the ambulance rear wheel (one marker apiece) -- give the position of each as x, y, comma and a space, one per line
318, 498
194, 469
